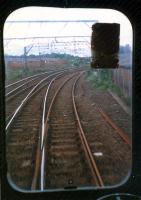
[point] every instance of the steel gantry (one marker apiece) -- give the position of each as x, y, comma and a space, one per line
71, 44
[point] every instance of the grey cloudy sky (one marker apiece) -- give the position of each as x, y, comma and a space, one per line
23, 30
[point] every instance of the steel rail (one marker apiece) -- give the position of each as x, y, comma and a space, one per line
96, 175
15, 89
118, 130
43, 133
46, 127
30, 97
40, 154
25, 79
27, 97
34, 78
21, 105
17, 93
56, 72
25, 100
90, 158
44, 110
38, 75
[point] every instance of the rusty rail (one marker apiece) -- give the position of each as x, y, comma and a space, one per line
120, 132
40, 154
24, 79
40, 142
90, 158
24, 101
46, 127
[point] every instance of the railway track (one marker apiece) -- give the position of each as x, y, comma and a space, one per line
110, 145
26, 90
18, 84
65, 154
22, 139
24, 128
53, 148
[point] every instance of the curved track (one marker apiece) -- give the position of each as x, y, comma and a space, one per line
24, 132
47, 141
14, 105
110, 145
19, 90
65, 154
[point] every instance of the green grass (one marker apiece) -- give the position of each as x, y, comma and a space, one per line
14, 74
102, 80
21, 73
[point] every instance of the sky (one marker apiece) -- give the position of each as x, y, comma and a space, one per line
24, 30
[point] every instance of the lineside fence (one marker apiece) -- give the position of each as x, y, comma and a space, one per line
122, 77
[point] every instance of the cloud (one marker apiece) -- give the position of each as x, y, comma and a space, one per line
24, 30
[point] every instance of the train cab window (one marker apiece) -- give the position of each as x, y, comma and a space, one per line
68, 122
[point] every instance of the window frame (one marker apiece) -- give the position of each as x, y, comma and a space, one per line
133, 183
